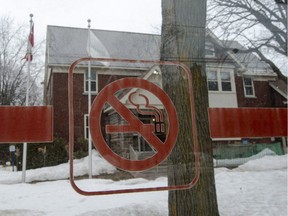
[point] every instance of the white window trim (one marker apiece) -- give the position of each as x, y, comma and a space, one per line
244, 86
85, 79
219, 81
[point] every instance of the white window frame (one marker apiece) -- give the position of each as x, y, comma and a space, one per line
92, 81
248, 86
219, 80
86, 126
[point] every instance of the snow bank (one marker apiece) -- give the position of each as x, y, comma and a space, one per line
256, 188
99, 166
237, 161
265, 164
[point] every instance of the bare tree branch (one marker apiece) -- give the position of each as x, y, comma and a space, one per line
254, 23
13, 43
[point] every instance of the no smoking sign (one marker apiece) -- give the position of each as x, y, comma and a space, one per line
134, 125
131, 99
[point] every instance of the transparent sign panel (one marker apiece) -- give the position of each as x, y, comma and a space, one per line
141, 114
134, 123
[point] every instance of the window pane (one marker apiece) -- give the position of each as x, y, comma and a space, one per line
248, 85
225, 76
86, 86
93, 75
249, 91
93, 80
213, 85
248, 81
86, 126
87, 133
212, 75
86, 121
226, 86
93, 86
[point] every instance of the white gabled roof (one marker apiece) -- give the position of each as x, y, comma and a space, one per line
66, 44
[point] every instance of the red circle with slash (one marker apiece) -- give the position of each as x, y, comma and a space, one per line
107, 95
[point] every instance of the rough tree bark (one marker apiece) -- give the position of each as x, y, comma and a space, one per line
183, 39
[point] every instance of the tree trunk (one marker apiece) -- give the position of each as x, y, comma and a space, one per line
183, 39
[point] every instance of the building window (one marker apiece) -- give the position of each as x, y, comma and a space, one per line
219, 80
86, 126
140, 143
94, 84
212, 81
225, 81
248, 87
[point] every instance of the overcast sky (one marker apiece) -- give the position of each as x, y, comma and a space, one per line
125, 15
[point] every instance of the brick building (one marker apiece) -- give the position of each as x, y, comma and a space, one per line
234, 79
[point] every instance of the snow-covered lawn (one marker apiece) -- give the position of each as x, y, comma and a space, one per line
258, 187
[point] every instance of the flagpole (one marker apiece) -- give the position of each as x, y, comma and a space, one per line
89, 105
24, 159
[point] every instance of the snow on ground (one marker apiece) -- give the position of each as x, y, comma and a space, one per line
237, 161
60, 172
258, 187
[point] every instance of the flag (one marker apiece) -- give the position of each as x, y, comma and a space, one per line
28, 56
31, 35
95, 48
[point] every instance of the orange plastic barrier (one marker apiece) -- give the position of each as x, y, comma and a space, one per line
26, 124
248, 122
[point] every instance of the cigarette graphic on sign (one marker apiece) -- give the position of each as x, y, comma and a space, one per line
153, 111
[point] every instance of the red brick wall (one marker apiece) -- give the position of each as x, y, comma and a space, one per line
278, 100
60, 103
